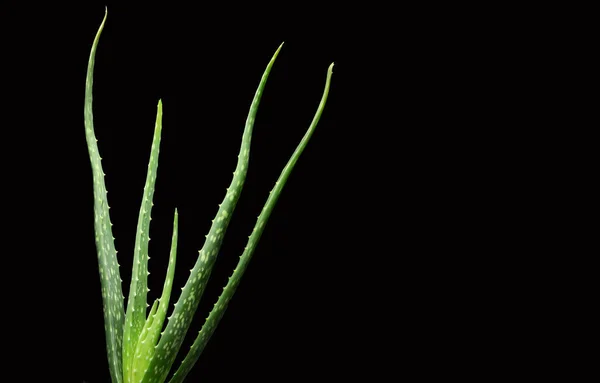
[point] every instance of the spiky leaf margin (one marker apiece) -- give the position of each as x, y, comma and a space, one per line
112, 293
219, 308
135, 318
183, 313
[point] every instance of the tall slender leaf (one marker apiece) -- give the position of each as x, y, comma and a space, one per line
186, 306
137, 302
112, 294
146, 345
219, 308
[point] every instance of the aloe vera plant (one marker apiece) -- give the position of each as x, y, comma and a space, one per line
140, 348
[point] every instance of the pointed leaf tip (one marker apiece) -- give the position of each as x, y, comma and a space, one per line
159, 112
278, 49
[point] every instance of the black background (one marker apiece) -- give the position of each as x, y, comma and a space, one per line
385, 252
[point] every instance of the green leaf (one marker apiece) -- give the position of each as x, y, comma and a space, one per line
112, 293
219, 308
186, 306
149, 337
137, 303
148, 324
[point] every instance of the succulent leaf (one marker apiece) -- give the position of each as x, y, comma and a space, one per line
110, 279
219, 308
186, 306
149, 337
137, 302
